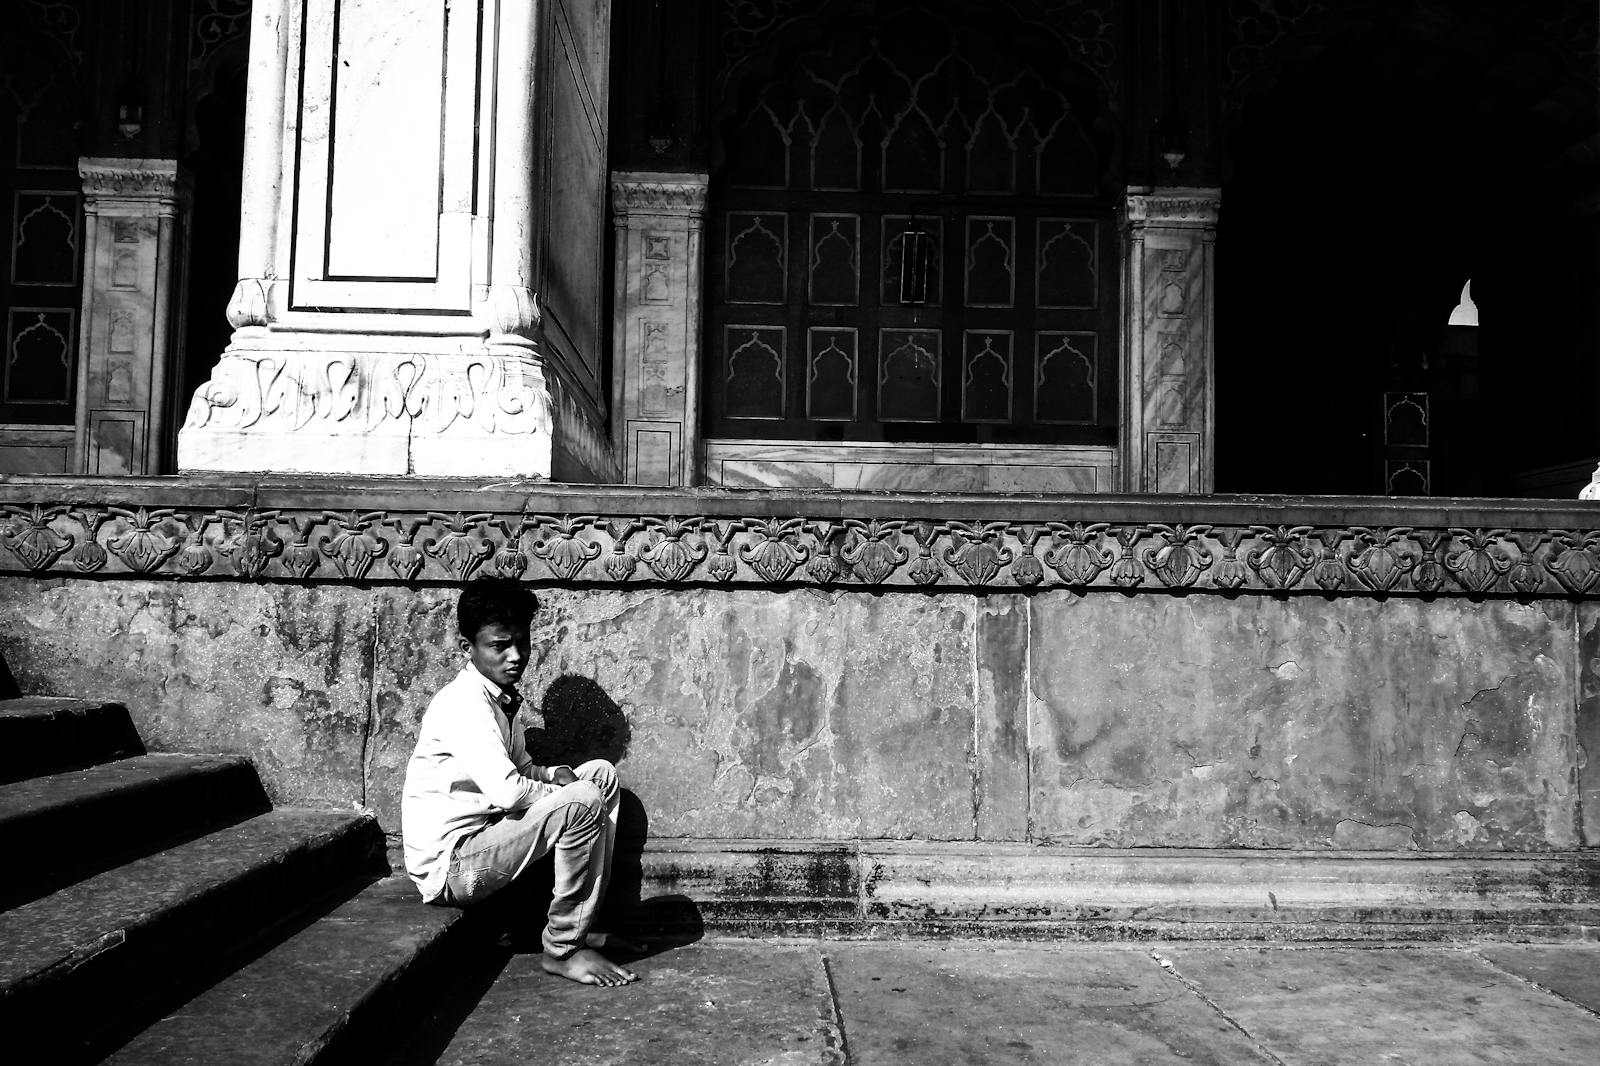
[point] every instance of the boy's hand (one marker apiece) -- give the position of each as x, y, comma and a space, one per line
562, 775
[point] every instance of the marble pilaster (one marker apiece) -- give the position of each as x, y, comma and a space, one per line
1168, 423
659, 219
135, 248
387, 318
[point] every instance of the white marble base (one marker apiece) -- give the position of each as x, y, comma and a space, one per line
405, 413
911, 467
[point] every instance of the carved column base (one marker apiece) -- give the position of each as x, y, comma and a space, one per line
485, 414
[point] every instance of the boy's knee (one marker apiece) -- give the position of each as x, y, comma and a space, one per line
587, 793
602, 773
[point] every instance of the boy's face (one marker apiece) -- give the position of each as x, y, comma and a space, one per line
499, 652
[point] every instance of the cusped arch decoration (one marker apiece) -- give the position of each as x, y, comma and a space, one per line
769, 47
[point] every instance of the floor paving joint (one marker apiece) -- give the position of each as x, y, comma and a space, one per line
1172, 968
833, 1005
1531, 983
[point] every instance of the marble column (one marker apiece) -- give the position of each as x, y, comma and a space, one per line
1168, 423
387, 318
655, 340
130, 354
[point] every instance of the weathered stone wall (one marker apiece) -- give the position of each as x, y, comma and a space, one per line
1091, 717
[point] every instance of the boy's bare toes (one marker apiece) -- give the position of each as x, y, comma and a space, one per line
589, 967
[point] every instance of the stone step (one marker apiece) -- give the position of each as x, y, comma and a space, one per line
69, 823
73, 961
883, 888
339, 990
47, 734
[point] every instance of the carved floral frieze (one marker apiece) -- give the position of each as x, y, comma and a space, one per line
304, 544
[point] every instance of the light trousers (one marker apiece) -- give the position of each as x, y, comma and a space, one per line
579, 823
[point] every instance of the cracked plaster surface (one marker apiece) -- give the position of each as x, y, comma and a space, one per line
1060, 717
1283, 722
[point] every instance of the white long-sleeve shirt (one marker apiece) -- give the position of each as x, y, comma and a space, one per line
470, 766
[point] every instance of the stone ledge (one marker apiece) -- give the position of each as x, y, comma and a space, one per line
885, 888
432, 530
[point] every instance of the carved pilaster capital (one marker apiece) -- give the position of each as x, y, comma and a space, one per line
1186, 207
157, 180
652, 193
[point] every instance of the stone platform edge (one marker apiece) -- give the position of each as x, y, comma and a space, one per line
893, 889
416, 531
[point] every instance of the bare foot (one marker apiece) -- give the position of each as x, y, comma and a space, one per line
602, 941
588, 967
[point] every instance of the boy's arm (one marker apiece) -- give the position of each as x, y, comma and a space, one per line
476, 744
550, 775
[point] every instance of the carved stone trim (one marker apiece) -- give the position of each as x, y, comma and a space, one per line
1172, 207
659, 194
289, 391
142, 179
398, 531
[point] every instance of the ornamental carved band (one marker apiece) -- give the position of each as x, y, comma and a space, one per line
138, 179
63, 538
1170, 210
659, 197
365, 391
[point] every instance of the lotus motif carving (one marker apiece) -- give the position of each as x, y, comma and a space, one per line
33, 541
1378, 564
565, 553
1181, 557
976, 556
144, 547
1572, 560
667, 555
775, 554
1479, 565
1283, 559
352, 547
254, 544
869, 554
1079, 556
460, 547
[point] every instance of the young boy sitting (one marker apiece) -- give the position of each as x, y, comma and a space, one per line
476, 812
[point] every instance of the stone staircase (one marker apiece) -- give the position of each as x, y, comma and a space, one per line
158, 909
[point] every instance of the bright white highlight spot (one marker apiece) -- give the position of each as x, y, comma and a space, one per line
1466, 312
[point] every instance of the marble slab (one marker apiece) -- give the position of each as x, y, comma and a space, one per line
1357, 1006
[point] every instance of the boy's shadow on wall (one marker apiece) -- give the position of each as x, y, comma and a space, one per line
582, 722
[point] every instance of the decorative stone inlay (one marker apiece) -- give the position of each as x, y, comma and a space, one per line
395, 531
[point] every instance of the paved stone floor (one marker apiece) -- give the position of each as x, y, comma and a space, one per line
930, 1003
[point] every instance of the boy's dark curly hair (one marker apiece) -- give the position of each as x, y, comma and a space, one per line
492, 600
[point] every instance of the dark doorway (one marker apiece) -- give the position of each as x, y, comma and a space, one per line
1391, 153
